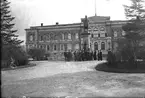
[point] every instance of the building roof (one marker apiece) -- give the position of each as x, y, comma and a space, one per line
98, 18
59, 25
56, 26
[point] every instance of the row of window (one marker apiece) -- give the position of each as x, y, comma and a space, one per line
102, 46
115, 33
105, 34
69, 36
69, 46
60, 47
99, 35
65, 36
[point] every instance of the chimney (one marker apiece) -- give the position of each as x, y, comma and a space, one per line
57, 23
41, 24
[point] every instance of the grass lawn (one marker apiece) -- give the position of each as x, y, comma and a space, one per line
122, 68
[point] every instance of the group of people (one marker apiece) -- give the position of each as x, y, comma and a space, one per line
82, 55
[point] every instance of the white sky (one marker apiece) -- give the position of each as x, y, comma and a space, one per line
34, 12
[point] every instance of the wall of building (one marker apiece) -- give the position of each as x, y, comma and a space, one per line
59, 38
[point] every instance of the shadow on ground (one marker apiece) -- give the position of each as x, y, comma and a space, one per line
105, 68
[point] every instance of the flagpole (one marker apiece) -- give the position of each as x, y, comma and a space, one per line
95, 8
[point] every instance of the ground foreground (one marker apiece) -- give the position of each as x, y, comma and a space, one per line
70, 79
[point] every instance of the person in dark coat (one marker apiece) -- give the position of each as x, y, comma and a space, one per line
69, 55
79, 55
94, 55
82, 55
75, 54
65, 55
100, 55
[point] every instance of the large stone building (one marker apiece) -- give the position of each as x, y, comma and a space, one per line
55, 39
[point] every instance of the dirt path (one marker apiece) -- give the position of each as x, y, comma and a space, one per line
71, 79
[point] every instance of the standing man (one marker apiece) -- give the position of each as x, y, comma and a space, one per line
74, 55
100, 55
94, 55
64, 55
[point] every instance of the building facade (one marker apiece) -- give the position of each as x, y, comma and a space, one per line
101, 34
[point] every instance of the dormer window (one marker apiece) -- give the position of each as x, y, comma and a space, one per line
102, 28
95, 29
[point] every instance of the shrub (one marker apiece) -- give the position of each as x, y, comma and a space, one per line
16, 53
36, 53
141, 54
21, 57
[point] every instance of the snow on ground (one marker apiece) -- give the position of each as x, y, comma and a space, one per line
61, 78
47, 68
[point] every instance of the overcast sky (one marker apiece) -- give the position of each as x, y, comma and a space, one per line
34, 12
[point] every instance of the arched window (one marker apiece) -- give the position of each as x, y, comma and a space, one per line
48, 37
41, 38
66, 36
54, 47
31, 37
55, 37
102, 46
69, 36
77, 36
109, 45
62, 36
61, 47
95, 46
